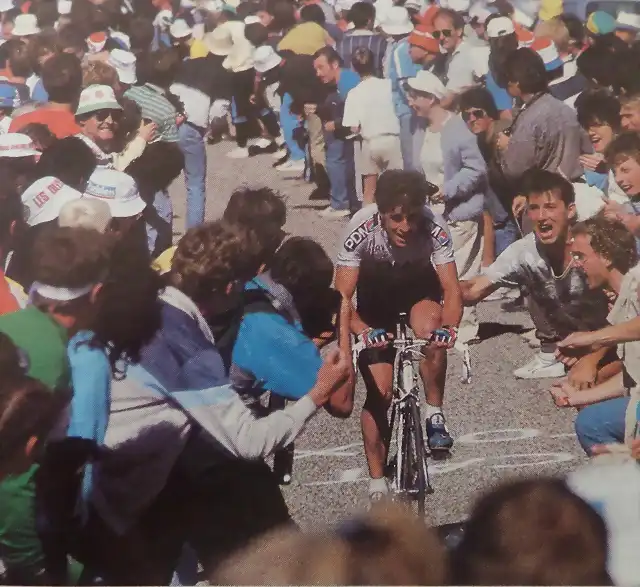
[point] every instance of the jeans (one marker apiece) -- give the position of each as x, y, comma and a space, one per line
601, 423
159, 218
505, 234
195, 172
288, 123
341, 172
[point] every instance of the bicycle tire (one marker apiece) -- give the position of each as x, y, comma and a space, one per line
415, 456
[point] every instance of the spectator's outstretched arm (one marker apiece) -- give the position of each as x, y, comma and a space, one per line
476, 289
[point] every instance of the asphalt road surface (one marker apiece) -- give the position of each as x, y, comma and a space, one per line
503, 428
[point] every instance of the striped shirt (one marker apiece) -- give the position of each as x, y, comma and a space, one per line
363, 38
155, 106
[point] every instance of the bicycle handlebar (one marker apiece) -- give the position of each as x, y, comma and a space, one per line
402, 343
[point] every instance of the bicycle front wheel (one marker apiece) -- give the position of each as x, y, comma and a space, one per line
414, 471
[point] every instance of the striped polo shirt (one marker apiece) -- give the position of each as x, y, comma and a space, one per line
352, 40
155, 106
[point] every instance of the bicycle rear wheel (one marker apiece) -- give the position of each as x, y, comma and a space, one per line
414, 467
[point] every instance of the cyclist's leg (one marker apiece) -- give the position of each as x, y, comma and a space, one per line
425, 317
377, 373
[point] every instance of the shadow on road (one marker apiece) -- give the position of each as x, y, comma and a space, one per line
488, 330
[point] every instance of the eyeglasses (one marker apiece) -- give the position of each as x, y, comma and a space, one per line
445, 33
475, 113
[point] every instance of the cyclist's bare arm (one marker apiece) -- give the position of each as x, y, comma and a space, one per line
346, 282
341, 403
476, 289
451, 293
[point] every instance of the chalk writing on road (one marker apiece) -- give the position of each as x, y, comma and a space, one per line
500, 461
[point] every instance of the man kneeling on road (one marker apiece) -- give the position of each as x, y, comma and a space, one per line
542, 265
399, 256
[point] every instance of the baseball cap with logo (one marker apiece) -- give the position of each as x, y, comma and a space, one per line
97, 97
124, 62
118, 189
500, 27
44, 199
14, 144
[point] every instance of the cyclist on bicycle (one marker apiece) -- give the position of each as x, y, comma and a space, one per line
398, 254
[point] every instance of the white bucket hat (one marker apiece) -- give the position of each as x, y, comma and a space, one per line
124, 62
179, 29
44, 199
117, 189
25, 25
14, 145
219, 41
265, 58
628, 21
397, 21
6, 5
64, 7
97, 97
426, 82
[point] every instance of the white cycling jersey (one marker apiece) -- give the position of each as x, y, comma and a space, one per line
367, 240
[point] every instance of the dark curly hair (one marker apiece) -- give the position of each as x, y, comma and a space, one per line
408, 189
610, 239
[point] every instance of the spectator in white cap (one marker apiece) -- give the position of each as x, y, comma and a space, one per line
182, 37
25, 25
448, 31
124, 62
627, 26
451, 159
98, 114
398, 67
44, 198
120, 192
478, 15
85, 213
503, 41
19, 152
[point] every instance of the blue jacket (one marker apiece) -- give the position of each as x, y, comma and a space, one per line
465, 172
271, 353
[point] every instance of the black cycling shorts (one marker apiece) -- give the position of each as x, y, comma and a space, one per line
385, 290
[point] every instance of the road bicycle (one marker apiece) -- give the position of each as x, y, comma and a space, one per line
407, 469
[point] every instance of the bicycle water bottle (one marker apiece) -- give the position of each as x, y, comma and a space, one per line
283, 464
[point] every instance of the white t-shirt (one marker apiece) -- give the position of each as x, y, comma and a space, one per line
370, 106
196, 104
566, 300
431, 158
627, 307
366, 240
460, 68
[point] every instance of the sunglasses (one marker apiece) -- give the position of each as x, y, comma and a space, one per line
102, 115
475, 114
445, 34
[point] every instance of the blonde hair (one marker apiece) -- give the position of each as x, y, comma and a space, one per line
85, 213
557, 31
98, 73
387, 546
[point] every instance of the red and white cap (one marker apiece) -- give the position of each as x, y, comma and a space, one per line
14, 145
546, 48
44, 199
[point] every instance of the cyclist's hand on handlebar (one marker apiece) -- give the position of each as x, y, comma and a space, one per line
375, 338
444, 337
334, 371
